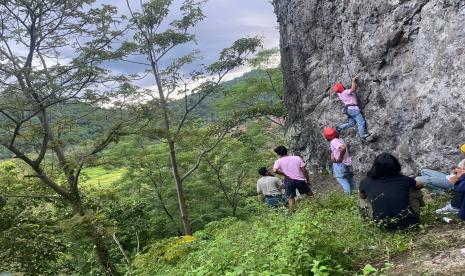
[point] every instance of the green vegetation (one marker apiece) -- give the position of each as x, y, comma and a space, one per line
97, 182
326, 237
100, 178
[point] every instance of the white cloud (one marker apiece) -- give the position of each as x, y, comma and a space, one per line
256, 19
226, 21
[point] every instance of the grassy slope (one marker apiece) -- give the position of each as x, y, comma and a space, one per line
101, 178
326, 237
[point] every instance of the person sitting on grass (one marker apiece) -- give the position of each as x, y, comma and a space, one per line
459, 187
295, 175
270, 187
394, 199
438, 182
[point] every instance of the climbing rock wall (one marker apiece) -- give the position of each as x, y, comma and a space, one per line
410, 58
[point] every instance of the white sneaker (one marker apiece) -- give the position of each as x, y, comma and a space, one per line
447, 209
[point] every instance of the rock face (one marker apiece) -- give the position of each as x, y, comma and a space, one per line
410, 59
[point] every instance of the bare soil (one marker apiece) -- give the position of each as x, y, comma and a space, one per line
440, 252
324, 184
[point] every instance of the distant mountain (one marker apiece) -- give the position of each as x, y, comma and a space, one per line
206, 110
80, 122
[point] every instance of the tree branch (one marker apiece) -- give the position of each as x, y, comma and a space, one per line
220, 182
199, 101
40, 173
31, 196
203, 153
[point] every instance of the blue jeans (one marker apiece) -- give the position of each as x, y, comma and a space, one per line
355, 117
344, 176
274, 201
434, 181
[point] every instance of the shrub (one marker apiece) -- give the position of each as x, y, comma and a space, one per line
167, 251
325, 236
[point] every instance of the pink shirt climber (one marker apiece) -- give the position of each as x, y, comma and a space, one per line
336, 143
290, 166
349, 98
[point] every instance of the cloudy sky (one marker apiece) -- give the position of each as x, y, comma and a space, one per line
227, 20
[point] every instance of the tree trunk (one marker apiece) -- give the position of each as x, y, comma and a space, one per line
181, 200
102, 252
75, 200
101, 249
172, 149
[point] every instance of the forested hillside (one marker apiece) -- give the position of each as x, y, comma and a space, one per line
87, 181
91, 125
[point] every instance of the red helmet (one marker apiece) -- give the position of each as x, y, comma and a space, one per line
330, 133
338, 88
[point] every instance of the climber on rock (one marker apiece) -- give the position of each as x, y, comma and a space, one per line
351, 109
342, 163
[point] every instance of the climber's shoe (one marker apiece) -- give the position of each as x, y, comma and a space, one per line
367, 137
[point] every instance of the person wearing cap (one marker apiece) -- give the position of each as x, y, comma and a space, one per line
351, 109
270, 187
292, 167
438, 182
342, 163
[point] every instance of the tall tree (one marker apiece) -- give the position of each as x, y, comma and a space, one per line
50, 53
156, 37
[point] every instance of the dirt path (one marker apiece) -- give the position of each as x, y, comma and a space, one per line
324, 184
440, 252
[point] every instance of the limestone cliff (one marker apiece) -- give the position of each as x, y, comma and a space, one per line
410, 58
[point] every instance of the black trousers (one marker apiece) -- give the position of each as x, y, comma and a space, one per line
456, 199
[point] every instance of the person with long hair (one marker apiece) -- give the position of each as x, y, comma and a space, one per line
393, 197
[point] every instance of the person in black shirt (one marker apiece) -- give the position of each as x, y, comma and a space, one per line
390, 194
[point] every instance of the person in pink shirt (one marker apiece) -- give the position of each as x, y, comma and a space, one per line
342, 163
351, 109
295, 174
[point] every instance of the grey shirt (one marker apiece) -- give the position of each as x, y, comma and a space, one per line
268, 186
